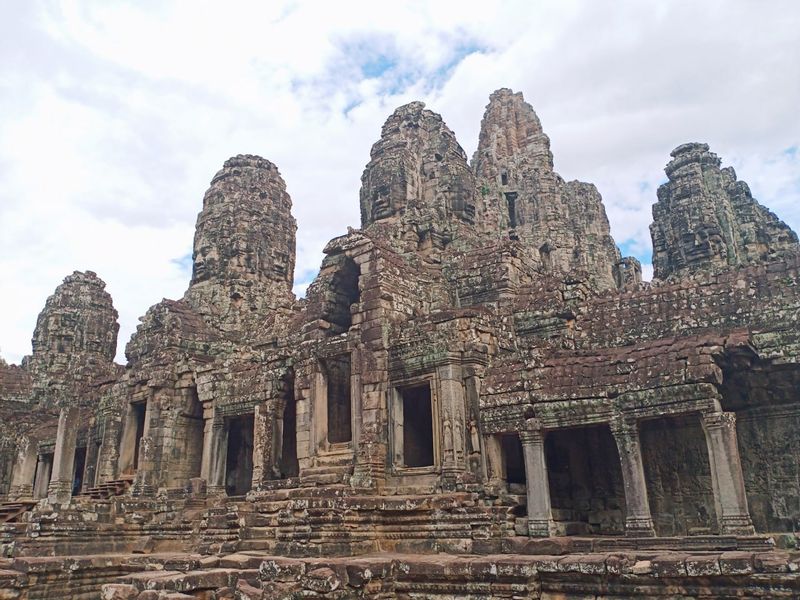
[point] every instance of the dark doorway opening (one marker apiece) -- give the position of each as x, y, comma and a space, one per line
585, 477
139, 411
417, 426
239, 460
337, 374
678, 475
511, 201
544, 255
289, 466
77, 474
514, 459
343, 293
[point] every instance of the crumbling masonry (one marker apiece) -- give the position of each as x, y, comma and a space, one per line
477, 371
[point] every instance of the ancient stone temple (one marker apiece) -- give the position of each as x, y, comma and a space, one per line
478, 397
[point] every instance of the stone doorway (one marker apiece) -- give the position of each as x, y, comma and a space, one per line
186, 456
585, 477
678, 475
239, 457
337, 379
414, 427
513, 463
288, 463
78, 472
132, 438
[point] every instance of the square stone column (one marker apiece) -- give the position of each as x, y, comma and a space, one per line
540, 516
730, 499
108, 459
267, 441
60, 489
215, 456
44, 468
638, 520
24, 471
493, 459
452, 407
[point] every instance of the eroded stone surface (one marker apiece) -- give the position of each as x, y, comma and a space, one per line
706, 218
475, 372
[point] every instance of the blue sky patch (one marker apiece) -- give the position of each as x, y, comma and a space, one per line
184, 263
634, 248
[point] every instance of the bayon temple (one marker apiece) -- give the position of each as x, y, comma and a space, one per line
478, 396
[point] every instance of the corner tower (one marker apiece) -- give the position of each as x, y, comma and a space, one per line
705, 219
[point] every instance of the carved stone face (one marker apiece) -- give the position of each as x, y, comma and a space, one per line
702, 245
388, 194
461, 198
206, 259
382, 207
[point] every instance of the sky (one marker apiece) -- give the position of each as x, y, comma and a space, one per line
114, 116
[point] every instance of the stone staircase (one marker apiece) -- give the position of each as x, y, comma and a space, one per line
116, 487
221, 526
336, 521
11, 511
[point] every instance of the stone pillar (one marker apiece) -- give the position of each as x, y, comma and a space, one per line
60, 489
90, 468
540, 516
108, 459
493, 451
454, 427
267, 440
638, 520
24, 471
215, 455
733, 515
44, 468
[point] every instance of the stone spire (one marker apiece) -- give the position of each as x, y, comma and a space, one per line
417, 168
705, 219
244, 244
511, 141
75, 338
563, 225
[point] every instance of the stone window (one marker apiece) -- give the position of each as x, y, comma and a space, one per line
341, 295
239, 458
513, 459
413, 432
511, 201
544, 254
337, 379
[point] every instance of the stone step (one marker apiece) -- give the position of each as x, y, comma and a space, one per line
257, 544
11, 511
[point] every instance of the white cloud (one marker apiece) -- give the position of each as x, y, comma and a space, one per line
114, 116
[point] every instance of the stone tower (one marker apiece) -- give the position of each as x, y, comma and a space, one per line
563, 224
706, 219
244, 245
75, 339
418, 171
